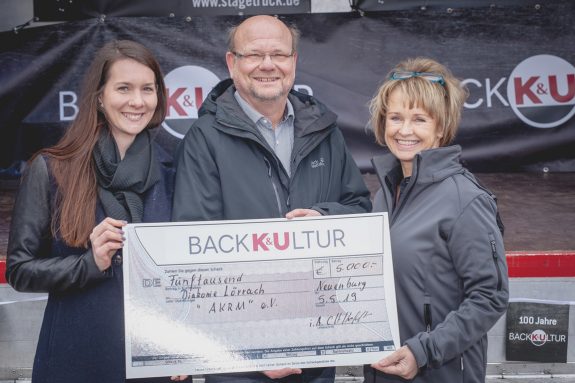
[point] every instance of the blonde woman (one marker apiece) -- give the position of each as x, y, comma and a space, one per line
449, 261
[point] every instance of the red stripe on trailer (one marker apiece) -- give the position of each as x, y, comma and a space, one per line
2, 271
541, 264
521, 264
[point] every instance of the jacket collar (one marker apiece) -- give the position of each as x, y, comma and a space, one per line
429, 166
310, 115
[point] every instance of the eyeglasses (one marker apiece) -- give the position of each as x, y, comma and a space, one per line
258, 58
433, 77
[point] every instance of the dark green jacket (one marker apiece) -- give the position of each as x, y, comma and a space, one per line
226, 170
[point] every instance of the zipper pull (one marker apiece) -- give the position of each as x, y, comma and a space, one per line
427, 316
269, 167
495, 257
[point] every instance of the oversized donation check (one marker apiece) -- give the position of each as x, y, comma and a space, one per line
253, 295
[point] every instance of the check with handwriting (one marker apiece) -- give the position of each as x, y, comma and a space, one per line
253, 295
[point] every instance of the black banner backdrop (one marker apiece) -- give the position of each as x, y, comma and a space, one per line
56, 10
518, 63
394, 5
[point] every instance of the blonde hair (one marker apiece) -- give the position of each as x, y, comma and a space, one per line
443, 102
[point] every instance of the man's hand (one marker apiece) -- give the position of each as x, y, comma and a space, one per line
401, 363
302, 213
281, 373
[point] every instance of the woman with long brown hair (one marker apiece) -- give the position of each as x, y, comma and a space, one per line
66, 235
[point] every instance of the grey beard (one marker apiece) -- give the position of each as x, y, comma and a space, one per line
265, 97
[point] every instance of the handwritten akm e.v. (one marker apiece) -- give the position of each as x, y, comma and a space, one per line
254, 295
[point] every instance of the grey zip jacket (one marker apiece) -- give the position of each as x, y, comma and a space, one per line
226, 169
449, 262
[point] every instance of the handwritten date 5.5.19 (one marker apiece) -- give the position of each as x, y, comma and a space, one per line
322, 299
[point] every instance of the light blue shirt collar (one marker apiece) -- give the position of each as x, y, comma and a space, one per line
256, 116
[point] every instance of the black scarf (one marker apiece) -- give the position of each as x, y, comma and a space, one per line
123, 182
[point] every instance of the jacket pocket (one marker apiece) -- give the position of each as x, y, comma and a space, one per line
495, 258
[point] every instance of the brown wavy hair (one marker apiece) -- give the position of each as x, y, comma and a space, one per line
71, 161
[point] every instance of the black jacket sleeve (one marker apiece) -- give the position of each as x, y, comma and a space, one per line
353, 194
197, 193
31, 266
